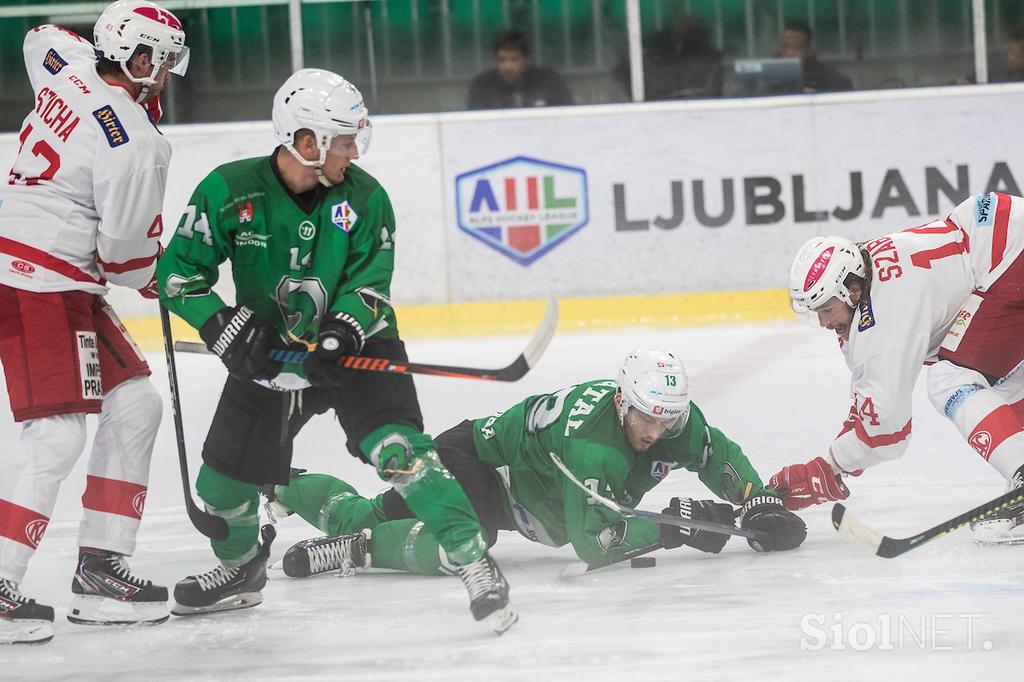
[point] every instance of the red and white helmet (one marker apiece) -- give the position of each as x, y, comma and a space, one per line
819, 272
654, 382
128, 24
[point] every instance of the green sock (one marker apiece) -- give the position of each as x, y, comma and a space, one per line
406, 545
238, 504
330, 504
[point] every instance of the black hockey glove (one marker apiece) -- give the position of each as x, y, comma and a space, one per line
243, 342
340, 335
698, 510
781, 529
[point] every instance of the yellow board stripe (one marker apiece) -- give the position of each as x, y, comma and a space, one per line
575, 314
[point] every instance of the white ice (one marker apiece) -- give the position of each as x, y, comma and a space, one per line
829, 610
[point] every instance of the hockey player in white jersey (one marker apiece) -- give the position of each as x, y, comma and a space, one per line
82, 209
948, 295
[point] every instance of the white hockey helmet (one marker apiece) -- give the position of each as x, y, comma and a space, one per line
126, 25
324, 103
654, 383
819, 272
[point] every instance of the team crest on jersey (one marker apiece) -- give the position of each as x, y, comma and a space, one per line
659, 470
34, 531
866, 316
139, 503
111, 125
52, 62
245, 212
344, 216
982, 442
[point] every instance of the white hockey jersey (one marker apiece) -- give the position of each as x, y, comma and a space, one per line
921, 278
82, 204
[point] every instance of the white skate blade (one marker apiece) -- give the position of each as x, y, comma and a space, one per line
25, 631
502, 620
998, 532
96, 610
244, 600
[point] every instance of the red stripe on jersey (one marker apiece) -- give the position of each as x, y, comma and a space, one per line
44, 260
127, 266
1000, 230
114, 497
882, 439
993, 429
21, 524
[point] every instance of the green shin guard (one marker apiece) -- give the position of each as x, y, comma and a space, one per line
238, 504
406, 545
408, 460
329, 504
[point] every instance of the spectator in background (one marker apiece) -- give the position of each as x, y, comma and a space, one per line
1012, 68
680, 62
796, 41
516, 82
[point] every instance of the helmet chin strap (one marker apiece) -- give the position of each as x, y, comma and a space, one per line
317, 166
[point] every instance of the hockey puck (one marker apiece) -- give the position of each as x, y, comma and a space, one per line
642, 562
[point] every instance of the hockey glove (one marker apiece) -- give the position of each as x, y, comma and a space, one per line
803, 485
243, 342
780, 528
340, 335
698, 510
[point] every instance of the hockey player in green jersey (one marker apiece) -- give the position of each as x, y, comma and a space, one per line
620, 438
310, 237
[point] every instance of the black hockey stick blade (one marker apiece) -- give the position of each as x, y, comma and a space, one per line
578, 568
512, 372
213, 527
653, 516
851, 528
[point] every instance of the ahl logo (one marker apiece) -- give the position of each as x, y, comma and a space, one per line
139, 503
659, 470
344, 216
111, 125
982, 442
52, 62
522, 207
22, 266
34, 531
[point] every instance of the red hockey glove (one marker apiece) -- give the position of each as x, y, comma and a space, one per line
803, 485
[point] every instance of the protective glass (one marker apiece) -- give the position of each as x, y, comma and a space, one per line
663, 427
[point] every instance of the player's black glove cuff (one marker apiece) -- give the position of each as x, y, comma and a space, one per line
243, 342
340, 334
780, 529
698, 510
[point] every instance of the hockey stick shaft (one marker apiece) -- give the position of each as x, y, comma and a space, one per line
213, 527
851, 528
512, 372
666, 519
578, 568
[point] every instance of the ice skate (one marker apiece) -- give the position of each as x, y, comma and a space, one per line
488, 593
341, 553
1005, 527
23, 621
225, 589
106, 593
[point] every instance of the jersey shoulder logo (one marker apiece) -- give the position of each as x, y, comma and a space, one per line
52, 62
111, 126
866, 315
344, 216
659, 470
984, 206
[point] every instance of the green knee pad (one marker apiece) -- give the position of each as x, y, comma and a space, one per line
330, 504
238, 504
407, 545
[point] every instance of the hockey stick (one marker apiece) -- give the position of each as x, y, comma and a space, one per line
578, 568
512, 372
213, 527
628, 512
851, 528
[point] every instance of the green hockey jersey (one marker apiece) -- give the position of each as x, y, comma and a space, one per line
580, 424
289, 265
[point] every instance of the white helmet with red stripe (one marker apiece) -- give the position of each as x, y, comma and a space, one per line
127, 25
819, 272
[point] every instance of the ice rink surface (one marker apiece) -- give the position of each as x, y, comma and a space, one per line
827, 611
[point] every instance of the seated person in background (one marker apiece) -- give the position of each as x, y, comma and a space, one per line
516, 82
1012, 68
796, 41
679, 63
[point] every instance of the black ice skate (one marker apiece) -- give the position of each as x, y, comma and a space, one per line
488, 593
225, 589
1005, 527
341, 553
106, 593
23, 621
